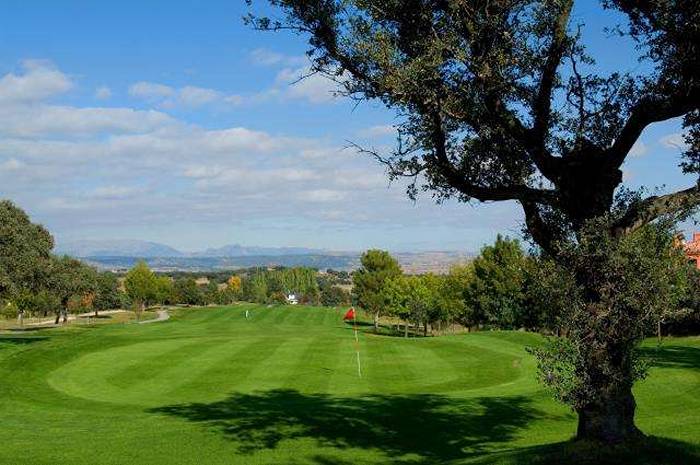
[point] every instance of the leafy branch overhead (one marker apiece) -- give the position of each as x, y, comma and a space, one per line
499, 100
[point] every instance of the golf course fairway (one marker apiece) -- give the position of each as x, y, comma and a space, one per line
209, 386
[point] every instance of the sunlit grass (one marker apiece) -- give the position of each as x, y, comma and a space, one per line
210, 387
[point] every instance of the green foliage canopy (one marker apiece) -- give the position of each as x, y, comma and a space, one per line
377, 266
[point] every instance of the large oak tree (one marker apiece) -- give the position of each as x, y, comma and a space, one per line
498, 100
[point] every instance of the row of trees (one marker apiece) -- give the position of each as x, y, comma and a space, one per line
145, 288
306, 284
507, 288
35, 282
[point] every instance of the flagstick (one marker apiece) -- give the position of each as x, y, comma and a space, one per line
357, 344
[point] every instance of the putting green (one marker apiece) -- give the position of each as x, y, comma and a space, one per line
209, 386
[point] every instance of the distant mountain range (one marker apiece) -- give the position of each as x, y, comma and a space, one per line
146, 249
117, 248
123, 254
236, 250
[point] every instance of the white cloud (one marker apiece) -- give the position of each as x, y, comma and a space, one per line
674, 141
267, 57
233, 99
196, 96
323, 195
187, 96
103, 93
251, 178
298, 83
150, 91
202, 172
290, 83
11, 165
40, 119
638, 149
115, 192
81, 167
39, 80
378, 131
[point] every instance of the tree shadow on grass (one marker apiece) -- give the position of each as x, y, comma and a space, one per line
672, 356
20, 340
647, 451
384, 330
431, 428
360, 324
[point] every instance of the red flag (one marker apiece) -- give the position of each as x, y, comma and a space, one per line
349, 315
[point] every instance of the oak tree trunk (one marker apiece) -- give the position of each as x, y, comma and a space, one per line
611, 420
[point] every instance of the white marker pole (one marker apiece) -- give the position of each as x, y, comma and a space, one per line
357, 344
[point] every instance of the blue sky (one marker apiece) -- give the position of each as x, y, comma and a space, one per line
174, 122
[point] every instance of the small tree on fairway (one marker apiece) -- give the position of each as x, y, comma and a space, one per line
234, 285
332, 295
164, 290
376, 267
68, 278
448, 299
499, 100
458, 281
420, 301
496, 291
141, 286
108, 295
394, 294
255, 288
187, 292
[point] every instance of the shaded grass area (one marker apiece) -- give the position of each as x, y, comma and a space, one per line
211, 387
649, 451
672, 356
433, 428
20, 340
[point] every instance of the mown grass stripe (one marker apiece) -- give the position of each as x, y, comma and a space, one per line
280, 315
271, 371
230, 370
156, 363
313, 371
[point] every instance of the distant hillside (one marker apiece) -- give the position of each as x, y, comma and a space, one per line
412, 263
117, 248
123, 254
236, 250
337, 262
146, 249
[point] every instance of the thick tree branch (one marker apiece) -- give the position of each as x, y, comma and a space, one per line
461, 184
541, 233
654, 207
542, 107
647, 111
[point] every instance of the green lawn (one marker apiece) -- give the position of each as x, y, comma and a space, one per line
209, 387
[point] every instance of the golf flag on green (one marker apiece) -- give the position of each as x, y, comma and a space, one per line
349, 315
